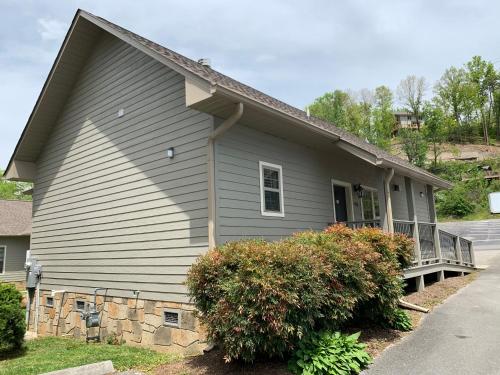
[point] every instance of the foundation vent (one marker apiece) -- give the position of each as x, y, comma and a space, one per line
171, 318
80, 305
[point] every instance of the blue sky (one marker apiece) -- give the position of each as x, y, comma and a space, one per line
293, 50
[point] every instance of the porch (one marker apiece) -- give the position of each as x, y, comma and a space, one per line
410, 210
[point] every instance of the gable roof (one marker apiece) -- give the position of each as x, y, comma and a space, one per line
191, 68
15, 218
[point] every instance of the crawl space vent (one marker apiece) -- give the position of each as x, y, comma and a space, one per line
171, 318
80, 305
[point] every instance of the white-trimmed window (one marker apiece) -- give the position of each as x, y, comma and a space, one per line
271, 189
3, 254
370, 204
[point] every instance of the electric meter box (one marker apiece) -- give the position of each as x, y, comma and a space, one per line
33, 275
494, 201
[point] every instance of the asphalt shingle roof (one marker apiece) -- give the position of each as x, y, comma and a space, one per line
219, 79
15, 218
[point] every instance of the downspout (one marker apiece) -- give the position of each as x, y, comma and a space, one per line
225, 126
389, 174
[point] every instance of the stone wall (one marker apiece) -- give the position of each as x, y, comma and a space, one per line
134, 320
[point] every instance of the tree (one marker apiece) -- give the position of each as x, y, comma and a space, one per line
383, 117
331, 107
410, 93
484, 81
451, 94
414, 146
434, 128
496, 112
13, 190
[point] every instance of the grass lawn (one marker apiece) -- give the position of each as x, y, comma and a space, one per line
482, 214
55, 353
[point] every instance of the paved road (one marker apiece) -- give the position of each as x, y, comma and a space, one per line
462, 336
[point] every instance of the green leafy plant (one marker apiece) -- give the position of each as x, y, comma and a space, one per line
329, 353
455, 203
12, 320
114, 339
259, 298
401, 321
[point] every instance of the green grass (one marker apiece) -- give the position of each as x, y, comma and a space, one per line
55, 353
478, 215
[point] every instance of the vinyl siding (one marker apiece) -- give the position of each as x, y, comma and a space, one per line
110, 209
307, 189
421, 203
398, 199
16, 256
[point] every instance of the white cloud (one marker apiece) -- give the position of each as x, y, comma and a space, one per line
51, 29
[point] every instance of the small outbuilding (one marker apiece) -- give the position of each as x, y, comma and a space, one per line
15, 232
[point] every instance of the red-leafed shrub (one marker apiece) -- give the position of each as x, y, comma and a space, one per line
258, 297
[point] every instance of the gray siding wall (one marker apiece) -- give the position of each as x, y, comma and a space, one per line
421, 203
398, 199
110, 209
307, 176
16, 256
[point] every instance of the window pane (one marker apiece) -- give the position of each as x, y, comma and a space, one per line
2, 255
367, 206
272, 201
376, 204
271, 178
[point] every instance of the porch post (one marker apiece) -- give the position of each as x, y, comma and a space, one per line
458, 250
412, 216
389, 174
433, 219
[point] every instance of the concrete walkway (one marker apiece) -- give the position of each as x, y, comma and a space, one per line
462, 336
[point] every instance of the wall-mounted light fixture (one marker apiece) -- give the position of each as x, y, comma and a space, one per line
170, 153
121, 112
358, 189
396, 187
421, 194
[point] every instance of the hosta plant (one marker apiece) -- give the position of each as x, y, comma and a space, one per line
329, 353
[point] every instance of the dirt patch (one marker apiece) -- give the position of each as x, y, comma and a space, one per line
435, 294
213, 364
376, 339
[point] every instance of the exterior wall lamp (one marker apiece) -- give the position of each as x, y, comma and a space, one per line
358, 189
170, 153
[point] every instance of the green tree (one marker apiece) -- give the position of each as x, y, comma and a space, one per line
383, 117
414, 146
434, 130
452, 94
13, 190
332, 107
496, 112
484, 82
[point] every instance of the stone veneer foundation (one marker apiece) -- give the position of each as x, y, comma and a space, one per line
137, 321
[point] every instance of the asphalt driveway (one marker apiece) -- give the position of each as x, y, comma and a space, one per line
462, 336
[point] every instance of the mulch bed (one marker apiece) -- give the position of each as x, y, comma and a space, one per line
376, 339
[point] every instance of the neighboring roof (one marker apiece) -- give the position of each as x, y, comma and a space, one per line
216, 78
15, 218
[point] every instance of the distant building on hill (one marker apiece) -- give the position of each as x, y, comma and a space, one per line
407, 120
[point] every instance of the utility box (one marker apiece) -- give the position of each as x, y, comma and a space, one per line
33, 273
494, 201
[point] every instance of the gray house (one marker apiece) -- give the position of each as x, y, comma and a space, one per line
15, 231
142, 159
